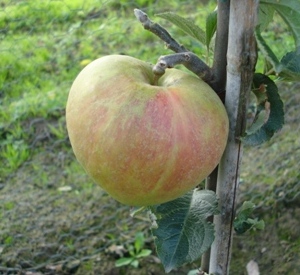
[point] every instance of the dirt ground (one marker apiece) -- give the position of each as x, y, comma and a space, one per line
54, 220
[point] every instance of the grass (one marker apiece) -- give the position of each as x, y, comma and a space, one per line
45, 194
45, 45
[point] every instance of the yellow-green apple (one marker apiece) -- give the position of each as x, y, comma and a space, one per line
144, 144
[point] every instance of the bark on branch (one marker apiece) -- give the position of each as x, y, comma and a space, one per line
182, 56
188, 59
159, 31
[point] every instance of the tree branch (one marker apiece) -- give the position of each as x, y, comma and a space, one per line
159, 31
188, 59
182, 56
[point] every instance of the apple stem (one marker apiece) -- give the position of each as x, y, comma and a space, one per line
190, 60
158, 70
182, 56
156, 78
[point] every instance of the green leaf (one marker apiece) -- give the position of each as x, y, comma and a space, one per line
265, 15
139, 241
260, 225
123, 261
135, 263
131, 250
211, 27
182, 233
144, 253
265, 49
246, 210
269, 117
185, 25
289, 67
289, 10
243, 222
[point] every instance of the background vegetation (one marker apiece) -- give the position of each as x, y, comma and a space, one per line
53, 218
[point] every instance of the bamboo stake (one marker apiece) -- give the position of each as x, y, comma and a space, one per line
241, 60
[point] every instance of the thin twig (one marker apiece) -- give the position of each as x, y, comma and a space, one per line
159, 31
182, 56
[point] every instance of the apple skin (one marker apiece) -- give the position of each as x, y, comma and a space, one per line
144, 144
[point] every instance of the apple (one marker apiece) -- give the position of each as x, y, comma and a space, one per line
144, 144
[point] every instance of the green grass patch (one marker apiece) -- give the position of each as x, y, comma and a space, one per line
44, 46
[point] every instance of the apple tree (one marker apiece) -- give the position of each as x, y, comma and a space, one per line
202, 221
